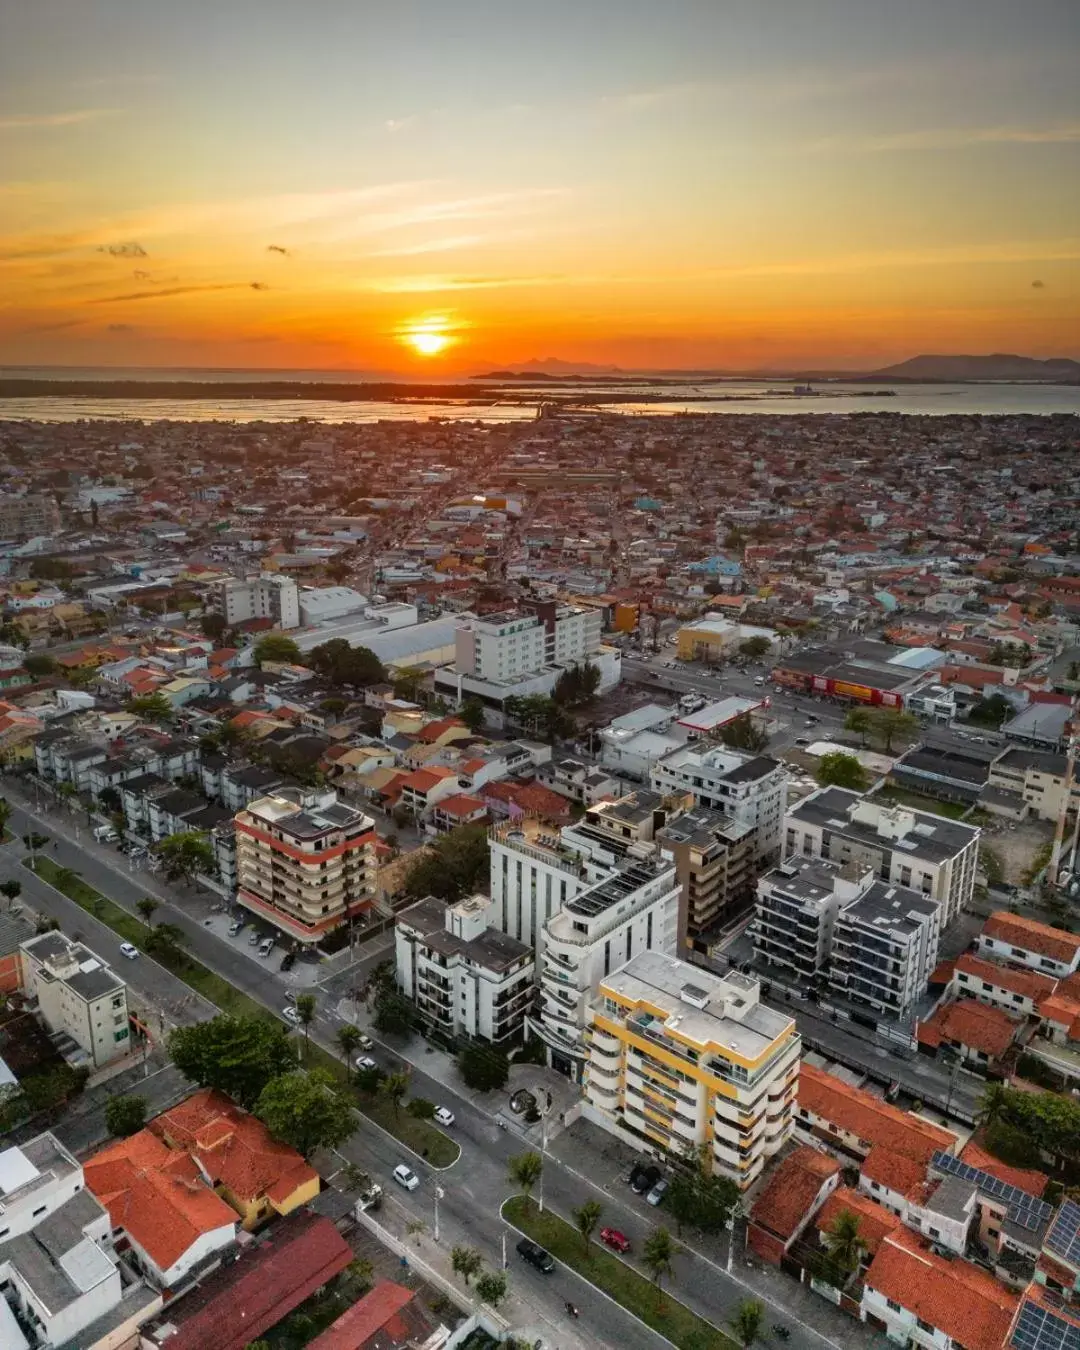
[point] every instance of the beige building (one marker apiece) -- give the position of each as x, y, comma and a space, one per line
714, 862
680, 1057
305, 862
77, 996
1038, 776
25, 516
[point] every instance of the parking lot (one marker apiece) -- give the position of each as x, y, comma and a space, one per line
304, 973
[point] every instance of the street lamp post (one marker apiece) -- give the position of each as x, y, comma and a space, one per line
543, 1149
439, 1193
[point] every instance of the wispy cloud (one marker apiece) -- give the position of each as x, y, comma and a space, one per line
946, 138
26, 121
179, 290
445, 245
130, 249
412, 285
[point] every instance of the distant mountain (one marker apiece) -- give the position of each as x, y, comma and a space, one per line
551, 365
996, 367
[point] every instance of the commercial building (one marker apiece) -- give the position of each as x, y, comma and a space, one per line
78, 997
751, 789
712, 638
714, 862
24, 516
266, 596
305, 862
913, 849
465, 977
867, 672
679, 1057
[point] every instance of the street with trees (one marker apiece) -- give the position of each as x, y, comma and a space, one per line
185, 855
523, 1170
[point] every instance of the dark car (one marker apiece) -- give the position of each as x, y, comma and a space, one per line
643, 1178
536, 1256
288, 961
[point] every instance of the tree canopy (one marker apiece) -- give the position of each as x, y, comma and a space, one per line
743, 733
304, 1109
837, 769
153, 707
341, 664
236, 1055
185, 855
277, 647
577, 685
455, 865
125, 1115
483, 1067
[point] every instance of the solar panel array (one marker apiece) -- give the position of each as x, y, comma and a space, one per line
1064, 1237
1023, 1209
1039, 1328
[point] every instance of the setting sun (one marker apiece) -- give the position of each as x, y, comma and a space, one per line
428, 336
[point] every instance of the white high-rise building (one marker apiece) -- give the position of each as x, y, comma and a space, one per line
267, 596
751, 789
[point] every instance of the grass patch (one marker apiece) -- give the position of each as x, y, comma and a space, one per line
420, 1135
193, 973
635, 1292
918, 802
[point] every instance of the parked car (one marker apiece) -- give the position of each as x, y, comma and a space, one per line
266, 946
405, 1176
129, 950
443, 1116
365, 1063
290, 1014
364, 1042
618, 1242
643, 1178
657, 1193
536, 1256
237, 926
288, 961
255, 938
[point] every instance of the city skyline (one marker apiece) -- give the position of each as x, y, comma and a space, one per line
431, 191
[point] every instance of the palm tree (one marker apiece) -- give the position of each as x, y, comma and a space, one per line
466, 1262
394, 1086
348, 1039
305, 1010
524, 1171
657, 1255
147, 908
993, 1103
586, 1218
846, 1247
746, 1324
361, 1270
165, 941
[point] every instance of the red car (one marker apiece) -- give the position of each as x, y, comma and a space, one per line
617, 1241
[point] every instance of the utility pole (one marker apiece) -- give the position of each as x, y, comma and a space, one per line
543, 1148
439, 1193
1059, 831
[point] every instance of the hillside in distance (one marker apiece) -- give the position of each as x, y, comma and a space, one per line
997, 367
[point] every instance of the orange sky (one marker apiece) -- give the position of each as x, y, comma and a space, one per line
708, 184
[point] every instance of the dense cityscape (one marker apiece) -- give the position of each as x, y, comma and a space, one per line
675, 817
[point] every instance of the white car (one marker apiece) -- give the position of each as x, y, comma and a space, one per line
365, 1062
443, 1116
129, 950
405, 1176
291, 1015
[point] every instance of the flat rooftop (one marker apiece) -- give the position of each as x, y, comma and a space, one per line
935, 838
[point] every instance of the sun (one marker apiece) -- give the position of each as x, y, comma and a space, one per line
428, 336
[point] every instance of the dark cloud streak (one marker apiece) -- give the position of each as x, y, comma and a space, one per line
179, 290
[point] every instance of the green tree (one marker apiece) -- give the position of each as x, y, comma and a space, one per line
889, 723
185, 855
524, 1171
341, 664
859, 721
394, 1087
110, 800
213, 626
125, 1115
993, 1103
755, 647
421, 1108
34, 842
39, 664
845, 1246
153, 707
348, 1038
698, 1197
394, 1015
303, 1109
471, 713
991, 711
491, 1287
657, 1255
166, 942
747, 1322
5, 815
586, 1217
484, 1068
466, 1262
236, 1055
456, 865
408, 683
305, 1010
743, 733
837, 769
147, 907
576, 686
11, 890
277, 648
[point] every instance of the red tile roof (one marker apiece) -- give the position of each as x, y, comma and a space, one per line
1028, 983
1024, 1178
238, 1303
794, 1186
869, 1118
430, 734
1032, 936
461, 805
875, 1221
969, 1023
157, 1195
957, 1298
384, 1319
423, 780
234, 1149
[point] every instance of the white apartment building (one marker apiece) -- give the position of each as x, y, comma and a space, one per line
679, 1056
904, 847
60, 1283
465, 977
634, 909
266, 596
751, 789
78, 996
